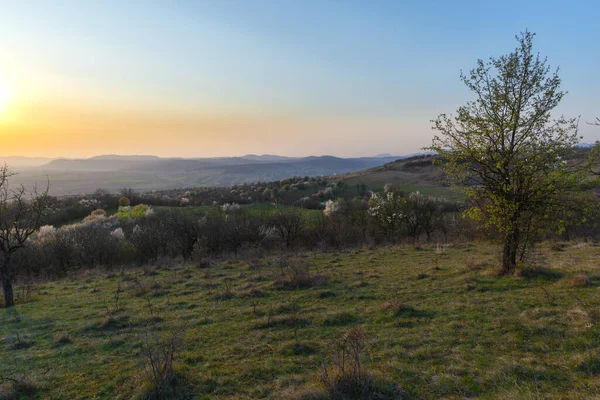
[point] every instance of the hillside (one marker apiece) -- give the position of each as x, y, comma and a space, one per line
420, 173
417, 173
438, 324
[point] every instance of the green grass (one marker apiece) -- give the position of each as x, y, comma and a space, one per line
441, 326
255, 208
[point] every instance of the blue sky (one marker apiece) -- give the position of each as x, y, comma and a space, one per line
348, 77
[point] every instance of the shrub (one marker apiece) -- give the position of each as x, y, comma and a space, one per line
346, 377
159, 354
297, 274
580, 280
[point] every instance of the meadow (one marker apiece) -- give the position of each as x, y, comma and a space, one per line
438, 320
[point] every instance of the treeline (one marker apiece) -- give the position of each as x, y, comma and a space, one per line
137, 235
306, 192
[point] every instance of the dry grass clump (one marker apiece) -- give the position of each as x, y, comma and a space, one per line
577, 315
12, 388
559, 247
286, 321
62, 338
296, 274
404, 310
476, 264
114, 322
137, 288
580, 281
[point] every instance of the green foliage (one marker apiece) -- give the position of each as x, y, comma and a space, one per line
124, 201
507, 152
137, 212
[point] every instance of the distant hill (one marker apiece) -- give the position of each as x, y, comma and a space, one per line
113, 172
18, 162
126, 158
265, 157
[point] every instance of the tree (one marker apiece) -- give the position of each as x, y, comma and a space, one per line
288, 224
505, 149
124, 201
20, 216
388, 212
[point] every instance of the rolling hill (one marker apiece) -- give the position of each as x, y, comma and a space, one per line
145, 173
417, 173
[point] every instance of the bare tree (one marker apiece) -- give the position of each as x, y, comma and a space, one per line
288, 224
20, 216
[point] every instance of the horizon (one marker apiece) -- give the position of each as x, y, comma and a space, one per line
216, 79
382, 155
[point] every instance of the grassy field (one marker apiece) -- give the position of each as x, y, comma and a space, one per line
439, 322
254, 208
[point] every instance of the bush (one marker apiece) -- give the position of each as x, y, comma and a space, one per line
159, 354
124, 201
297, 274
346, 377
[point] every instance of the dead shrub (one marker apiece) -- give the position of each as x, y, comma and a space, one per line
137, 288
25, 293
159, 354
580, 281
346, 377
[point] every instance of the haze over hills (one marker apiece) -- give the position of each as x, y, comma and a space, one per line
146, 172
18, 162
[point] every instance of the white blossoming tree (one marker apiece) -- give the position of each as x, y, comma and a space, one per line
387, 210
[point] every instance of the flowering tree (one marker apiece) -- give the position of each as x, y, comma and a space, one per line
387, 210
332, 208
506, 151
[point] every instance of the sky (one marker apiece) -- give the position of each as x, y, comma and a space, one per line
291, 77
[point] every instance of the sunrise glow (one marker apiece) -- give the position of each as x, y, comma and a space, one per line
4, 98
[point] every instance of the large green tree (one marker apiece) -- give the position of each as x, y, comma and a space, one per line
506, 150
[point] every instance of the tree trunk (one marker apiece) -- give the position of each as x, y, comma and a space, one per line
509, 252
7, 287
